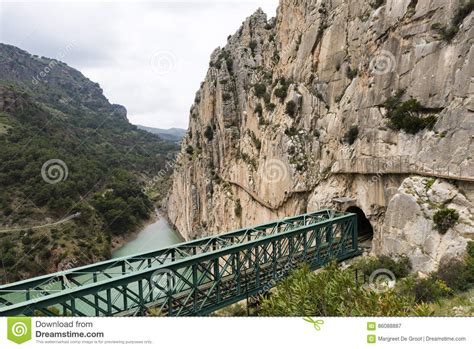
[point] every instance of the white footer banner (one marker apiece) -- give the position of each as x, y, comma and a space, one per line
218, 332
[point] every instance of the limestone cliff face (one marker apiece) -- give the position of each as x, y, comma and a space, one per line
292, 114
408, 225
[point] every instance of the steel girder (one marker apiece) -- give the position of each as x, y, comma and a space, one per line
192, 278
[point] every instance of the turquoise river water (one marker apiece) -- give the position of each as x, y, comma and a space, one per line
154, 236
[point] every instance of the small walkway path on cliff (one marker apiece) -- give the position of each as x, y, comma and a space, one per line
263, 202
370, 166
401, 165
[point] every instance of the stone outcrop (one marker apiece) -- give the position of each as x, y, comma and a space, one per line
408, 226
289, 97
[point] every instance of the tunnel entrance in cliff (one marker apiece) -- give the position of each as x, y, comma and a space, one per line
364, 228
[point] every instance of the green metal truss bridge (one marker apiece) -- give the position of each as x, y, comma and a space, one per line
191, 278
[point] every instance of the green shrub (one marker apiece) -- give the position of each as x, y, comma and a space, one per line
445, 219
268, 26
26, 240
122, 205
453, 272
446, 33
259, 110
406, 116
429, 183
238, 208
292, 131
282, 91
458, 274
225, 55
430, 289
86, 211
209, 133
45, 253
463, 12
255, 140
229, 62
449, 32
7, 211
352, 73
469, 272
291, 108
352, 135
190, 150
267, 98
270, 106
9, 259
253, 45
399, 266
260, 90
332, 292
319, 96
377, 3
262, 121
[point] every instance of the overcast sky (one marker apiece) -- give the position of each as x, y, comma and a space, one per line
149, 56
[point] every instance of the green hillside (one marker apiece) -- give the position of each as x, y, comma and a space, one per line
51, 112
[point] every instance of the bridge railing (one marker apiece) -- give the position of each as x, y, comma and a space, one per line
190, 278
50, 284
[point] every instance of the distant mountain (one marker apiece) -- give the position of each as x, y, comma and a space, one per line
171, 134
65, 150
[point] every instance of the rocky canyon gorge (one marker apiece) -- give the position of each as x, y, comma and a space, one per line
338, 104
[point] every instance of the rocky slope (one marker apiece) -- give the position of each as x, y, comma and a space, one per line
334, 98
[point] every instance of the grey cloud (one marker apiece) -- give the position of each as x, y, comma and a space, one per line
113, 43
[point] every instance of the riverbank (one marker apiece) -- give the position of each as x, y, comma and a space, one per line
154, 234
120, 241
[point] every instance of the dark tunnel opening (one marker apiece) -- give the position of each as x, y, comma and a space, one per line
364, 228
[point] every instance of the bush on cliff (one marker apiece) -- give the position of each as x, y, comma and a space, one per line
333, 292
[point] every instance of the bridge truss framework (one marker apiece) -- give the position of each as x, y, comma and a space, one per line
191, 278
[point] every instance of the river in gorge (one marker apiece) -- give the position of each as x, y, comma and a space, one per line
154, 236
